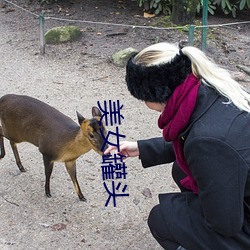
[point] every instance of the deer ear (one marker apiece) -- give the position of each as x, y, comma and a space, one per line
80, 118
96, 111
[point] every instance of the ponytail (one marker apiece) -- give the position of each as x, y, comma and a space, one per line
218, 78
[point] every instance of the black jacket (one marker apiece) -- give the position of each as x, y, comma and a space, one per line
216, 145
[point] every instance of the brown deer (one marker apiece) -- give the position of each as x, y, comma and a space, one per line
59, 138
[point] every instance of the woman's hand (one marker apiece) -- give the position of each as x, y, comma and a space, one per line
128, 149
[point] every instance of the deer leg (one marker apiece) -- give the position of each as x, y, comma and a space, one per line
1, 144
71, 168
18, 161
48, 165
2, 147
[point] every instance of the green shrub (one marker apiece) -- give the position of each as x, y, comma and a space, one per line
211, 7
232, 6
227, 6
157, 6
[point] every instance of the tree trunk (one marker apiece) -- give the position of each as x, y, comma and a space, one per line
183, 11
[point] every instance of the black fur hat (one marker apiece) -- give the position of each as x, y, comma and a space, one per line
156, 83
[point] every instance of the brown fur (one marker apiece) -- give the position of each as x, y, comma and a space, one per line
59, 138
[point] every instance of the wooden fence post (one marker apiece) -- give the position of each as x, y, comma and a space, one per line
42, 31
2, 3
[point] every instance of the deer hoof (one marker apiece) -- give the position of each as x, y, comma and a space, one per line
82, 198
48, 195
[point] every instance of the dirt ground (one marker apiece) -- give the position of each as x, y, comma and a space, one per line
75, 76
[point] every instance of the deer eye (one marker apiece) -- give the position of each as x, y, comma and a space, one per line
91, 136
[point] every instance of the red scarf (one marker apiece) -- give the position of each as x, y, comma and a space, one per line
174, 119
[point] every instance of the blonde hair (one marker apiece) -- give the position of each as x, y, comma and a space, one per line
202, 67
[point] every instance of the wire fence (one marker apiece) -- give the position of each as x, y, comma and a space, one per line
191, 28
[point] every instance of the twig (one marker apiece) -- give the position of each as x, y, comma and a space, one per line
244, 68
100, 78
57, 82
13, 203
117, 34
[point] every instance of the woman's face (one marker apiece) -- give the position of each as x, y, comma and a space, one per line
156, 106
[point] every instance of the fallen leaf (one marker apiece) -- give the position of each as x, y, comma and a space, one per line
147, 15
58, 227
147, 193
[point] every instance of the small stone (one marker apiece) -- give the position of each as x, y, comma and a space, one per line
62, 34
121, 58
44, 225
136, 201
2, 3
147, 193
239, 76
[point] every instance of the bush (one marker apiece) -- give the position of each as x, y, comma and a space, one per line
156, 6
232, 6
165, 6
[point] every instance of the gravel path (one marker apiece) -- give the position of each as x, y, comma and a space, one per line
70, 80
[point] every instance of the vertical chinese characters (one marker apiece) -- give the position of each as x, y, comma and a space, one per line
113, 167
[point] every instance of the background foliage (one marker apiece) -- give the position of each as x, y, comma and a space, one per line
165, 6
227, 6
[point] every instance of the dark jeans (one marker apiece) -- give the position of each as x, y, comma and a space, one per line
156, 222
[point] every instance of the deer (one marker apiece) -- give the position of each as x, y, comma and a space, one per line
58, 138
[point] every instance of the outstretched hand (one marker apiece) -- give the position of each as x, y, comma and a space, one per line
128, 149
